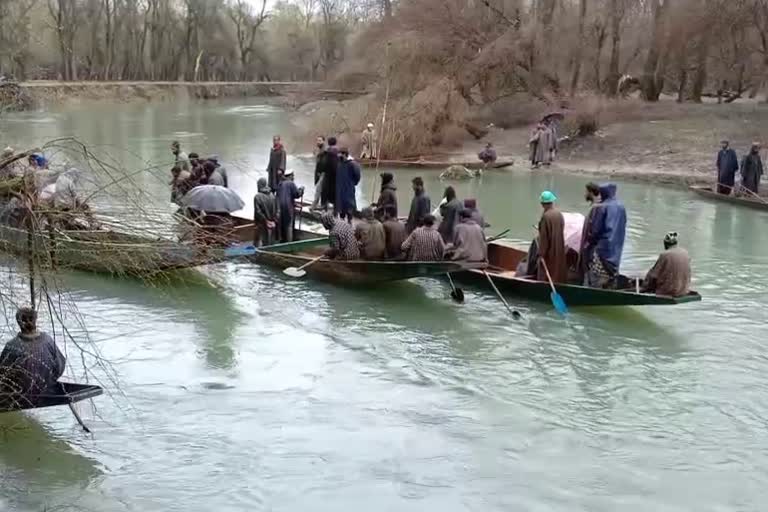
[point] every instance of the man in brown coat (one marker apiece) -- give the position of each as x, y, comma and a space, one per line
671, 274
395, 233
371, 237
552, 241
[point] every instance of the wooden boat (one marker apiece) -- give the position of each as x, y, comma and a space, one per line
748, 201
504, 258
436, 165
66, 393
105, 251
350, 273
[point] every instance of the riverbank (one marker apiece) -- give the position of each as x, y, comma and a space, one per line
42, 93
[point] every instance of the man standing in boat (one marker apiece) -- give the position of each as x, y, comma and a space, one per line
287, 193
181, 159
752, 170
727, 165
277, 162
605, 239
30, 363
420, 206
264, 214
551, 241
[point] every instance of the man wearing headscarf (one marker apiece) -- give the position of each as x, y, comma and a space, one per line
469, 240
671, 274
388, 195
449, 211
277, 161
727, 165
346, 183
752, 169
368, 143
264, 215
287, 193
551, 245
420, 205
371, 236
605, 239
341, 239
31, 363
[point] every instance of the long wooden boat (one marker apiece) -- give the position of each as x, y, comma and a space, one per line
748, 201
65, 393
435, 165
350, 273
106, 251
504, 258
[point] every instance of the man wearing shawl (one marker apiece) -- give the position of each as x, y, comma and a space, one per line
551, 245
277, 160
605, 238
752, 170
727, 165
671, 274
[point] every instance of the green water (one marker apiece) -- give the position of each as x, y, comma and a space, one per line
268, 394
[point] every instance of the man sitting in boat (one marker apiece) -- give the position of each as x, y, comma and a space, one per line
341, 238
371, 237
671, 274
469, 240
30, 363
395, 234
425, 243
488, 155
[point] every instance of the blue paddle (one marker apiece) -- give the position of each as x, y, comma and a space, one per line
239, 250
557, 300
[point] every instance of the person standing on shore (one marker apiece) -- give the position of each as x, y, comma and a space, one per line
752, 169
368, 142
727, 165
420, 206
276, 166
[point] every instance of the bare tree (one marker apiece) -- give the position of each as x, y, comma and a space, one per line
247, 24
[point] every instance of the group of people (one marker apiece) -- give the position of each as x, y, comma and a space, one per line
190, 171
751, 170
596, 263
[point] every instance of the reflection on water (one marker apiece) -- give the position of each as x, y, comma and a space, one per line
261, 392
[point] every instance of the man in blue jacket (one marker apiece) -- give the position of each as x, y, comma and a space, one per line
605, 239
727, 165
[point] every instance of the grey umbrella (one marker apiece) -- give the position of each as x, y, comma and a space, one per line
212, 199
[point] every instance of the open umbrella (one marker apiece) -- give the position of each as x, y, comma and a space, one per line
574, 225
212, 199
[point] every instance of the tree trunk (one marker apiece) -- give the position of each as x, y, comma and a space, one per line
649, 85
700, 79
387, 8
612, 81
577, 58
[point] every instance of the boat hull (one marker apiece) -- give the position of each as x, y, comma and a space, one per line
65, 393
741, 201
426, 164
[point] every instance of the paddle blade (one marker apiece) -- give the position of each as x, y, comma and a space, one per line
239, 250
294, 272
558, 303
458, 295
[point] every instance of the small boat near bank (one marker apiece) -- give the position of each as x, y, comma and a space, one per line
65, 393
434, 164
748, 201
504, 258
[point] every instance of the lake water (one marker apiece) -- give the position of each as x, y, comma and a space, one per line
261, 393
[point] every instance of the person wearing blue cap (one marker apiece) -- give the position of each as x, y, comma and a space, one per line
552, 241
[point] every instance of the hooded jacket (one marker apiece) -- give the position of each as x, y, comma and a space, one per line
608, 227
387, 198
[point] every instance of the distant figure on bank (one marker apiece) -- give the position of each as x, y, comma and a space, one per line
671, 274
420, 205
347, 180
341, 239
287, 193
395, 233
180, 158
727, 165
317, 202
592, 196
449, 211
388, 195
368, 142
425, 243
276, 166
329, 168
488, 155
264, 215
605, 240
542, 145
30, 363
551, 244
371, 236
752, 169
469, 240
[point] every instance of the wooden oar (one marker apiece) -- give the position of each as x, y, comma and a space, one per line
557, 300
500, 235
515, 313
457, 294
298, 273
